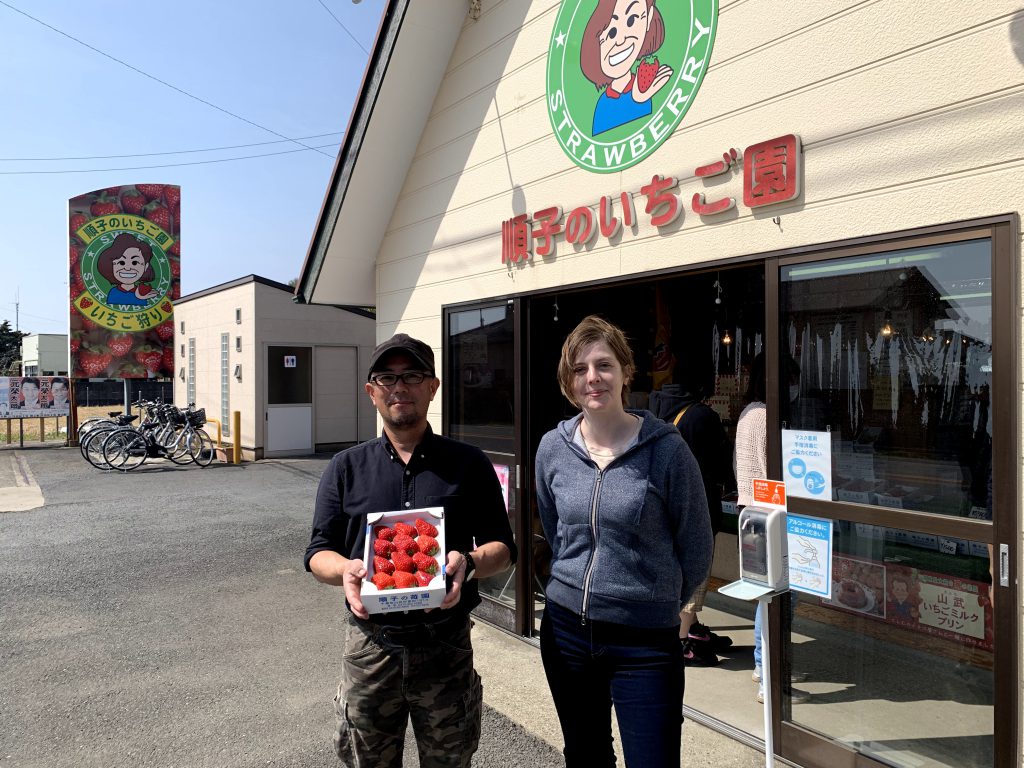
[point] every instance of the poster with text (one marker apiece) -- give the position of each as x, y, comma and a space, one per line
124, 261
23, 397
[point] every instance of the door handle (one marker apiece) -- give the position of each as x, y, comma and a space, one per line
1004, 565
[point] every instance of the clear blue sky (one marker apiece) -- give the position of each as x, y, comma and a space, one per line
289, 67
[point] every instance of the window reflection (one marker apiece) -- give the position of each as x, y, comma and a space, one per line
893, 354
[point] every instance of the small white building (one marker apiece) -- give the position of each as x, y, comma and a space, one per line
294, 371
45, 354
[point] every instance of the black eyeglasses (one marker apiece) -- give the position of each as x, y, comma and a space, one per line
408, 377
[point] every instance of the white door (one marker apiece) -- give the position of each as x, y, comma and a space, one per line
289, 401
337, 392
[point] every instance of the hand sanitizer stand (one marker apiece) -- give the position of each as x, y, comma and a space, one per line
763, 575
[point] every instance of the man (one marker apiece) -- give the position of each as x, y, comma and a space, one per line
30, 393
417, 664
59, 392
681, 403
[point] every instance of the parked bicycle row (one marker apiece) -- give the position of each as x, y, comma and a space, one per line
167, 432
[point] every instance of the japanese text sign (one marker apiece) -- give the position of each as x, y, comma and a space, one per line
807, 463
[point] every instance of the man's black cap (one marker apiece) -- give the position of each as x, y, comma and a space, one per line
402, 342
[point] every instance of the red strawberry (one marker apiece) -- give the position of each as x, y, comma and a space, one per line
383, 532
424, 528
175, 249
76, 343
383, 547
129, 370
73, 253
383, 565
151, 191
93, 362
167, 363
85, 303
383, 581
403, 562
149, 357
133, 202
645, 73
428, 545
404, 580
423, 578
104, 206
406, 530
165, 330
158, 214
404, 544
77, 286
78, 220
175, 266
172, 195
425, 563
111, 190
166, 307
120, 345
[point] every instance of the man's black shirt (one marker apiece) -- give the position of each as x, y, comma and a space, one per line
371, 477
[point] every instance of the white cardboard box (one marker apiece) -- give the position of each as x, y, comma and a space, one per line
411, 598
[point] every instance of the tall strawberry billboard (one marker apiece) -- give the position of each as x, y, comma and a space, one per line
125, 275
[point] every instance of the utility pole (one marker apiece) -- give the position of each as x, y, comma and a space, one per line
17, 297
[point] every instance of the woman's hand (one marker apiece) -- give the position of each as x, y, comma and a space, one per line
662, 77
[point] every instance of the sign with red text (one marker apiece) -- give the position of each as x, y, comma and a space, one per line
771, 173
769, 493
23, 397
124, 261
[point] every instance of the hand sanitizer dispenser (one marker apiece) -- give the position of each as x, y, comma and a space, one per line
763, 550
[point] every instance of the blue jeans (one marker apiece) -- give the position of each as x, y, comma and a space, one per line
591, 667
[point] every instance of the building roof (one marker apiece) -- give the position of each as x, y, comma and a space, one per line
406, 66
362, 311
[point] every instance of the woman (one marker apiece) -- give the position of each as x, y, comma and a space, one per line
622, 505
618, 35
127, 266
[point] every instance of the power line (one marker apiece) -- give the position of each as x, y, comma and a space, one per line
172, 165
156, 79
343, 27
174, 152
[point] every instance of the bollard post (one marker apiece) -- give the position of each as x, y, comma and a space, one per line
236, 435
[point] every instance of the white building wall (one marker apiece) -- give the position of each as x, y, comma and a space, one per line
910, 113
46, 352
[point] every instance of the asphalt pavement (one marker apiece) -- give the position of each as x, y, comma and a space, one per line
163, 618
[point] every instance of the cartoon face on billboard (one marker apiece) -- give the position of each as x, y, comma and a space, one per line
622, 74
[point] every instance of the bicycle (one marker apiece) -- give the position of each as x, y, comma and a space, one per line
127, 449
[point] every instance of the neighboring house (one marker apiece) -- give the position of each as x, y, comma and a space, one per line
294, 372
45, 354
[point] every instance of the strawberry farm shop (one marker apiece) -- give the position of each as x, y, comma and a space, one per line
833, 184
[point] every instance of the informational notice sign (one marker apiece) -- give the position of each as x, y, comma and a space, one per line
23, 397
807, 463
769, 493
810, 554
124, 262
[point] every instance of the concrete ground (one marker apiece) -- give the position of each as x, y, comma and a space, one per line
162, 618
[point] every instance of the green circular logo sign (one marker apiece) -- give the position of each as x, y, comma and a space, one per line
622, 73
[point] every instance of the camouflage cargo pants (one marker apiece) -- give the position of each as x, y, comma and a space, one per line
387, 680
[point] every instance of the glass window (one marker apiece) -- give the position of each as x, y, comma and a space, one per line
898, 664
480, 386
892, 352
289, 375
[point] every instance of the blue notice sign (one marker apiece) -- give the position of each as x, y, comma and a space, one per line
809, 541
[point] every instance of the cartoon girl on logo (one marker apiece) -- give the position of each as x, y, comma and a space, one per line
126, 265
619, 33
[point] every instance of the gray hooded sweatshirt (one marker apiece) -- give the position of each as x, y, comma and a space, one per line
631, 543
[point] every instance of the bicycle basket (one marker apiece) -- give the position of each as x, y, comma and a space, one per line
177, 417
197, 418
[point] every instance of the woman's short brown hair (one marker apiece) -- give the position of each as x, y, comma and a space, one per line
591, 330
124, 241
590, 45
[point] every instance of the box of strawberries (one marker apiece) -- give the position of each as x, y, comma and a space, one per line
405, 560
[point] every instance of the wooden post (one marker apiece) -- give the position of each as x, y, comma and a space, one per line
8, 431
42, 429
